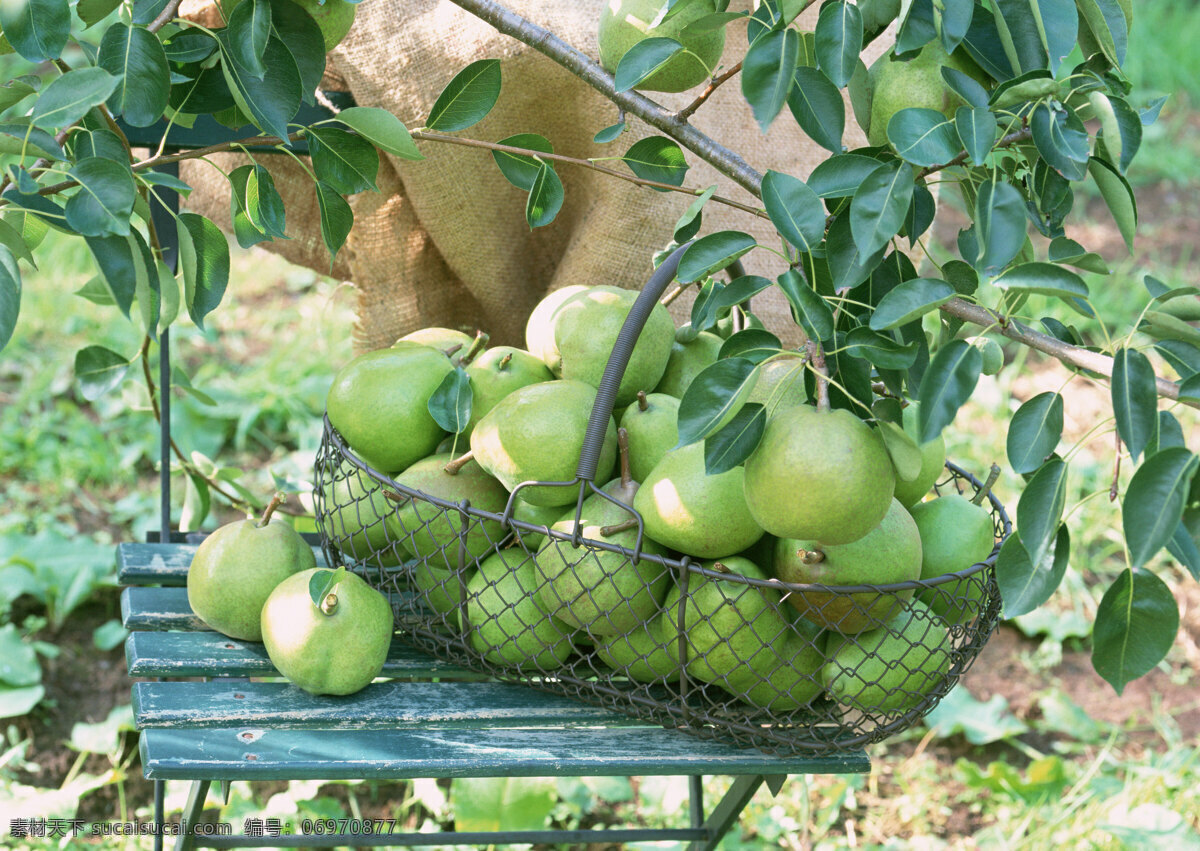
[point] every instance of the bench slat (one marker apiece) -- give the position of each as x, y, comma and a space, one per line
208, 654
281, 705
251, 754
158, 609
162, 564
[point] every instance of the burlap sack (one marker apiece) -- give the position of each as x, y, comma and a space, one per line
445, 242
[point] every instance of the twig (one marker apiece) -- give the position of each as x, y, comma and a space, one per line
165, 16
1113, 489
713, 84
816, 356
1016, 137
547, 43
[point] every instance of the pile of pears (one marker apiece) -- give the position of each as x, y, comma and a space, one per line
541, 575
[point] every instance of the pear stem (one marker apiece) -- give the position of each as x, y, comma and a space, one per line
450, 352
458, 463
618, 528
477, 346
811, 556
277, 500
504, 362
981, 494
329, 604
816, 356
396, 497
623, 447
720, 568
643, 404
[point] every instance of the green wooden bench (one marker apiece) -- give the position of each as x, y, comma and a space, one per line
428, 719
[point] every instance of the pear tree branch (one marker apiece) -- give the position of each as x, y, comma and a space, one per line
713, 84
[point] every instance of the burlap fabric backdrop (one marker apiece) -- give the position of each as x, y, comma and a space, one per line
445, 241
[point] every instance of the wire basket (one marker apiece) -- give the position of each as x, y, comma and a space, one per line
720, 649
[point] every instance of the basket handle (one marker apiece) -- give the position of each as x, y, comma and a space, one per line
614, 371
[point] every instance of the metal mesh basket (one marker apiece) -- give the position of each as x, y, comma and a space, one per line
720, 650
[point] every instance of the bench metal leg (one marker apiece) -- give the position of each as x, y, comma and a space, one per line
727, 811
191, 815
696, 799
159, 815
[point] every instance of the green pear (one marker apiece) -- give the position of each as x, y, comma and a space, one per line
586, 326
993, 355
739, 638
688, 510
955, 534
539, 329
897, 84
933, 463
498, 372
819, 475
379, 403
641, 653
891, 552
624, 23
686, 361
536, 434
536, 515
442, 339
237, 567
651, 422
725, 325
780, 384
335, 648
509, 624
433, 533
594, 589
356, 512
892, 668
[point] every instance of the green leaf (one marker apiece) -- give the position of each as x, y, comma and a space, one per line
247, 31
93, 11
923, 137
521, 170
346, 162
609, 133
321, 583
68, 98
752, 344
1043, 279
10, 295
1000, 225
168, 290
689, 223
1136, 625
336, 218
37, 29
146, 292
704, 312
818, 108
880, 205
1023, 586
839, 41
880, 349
104, 737
794, 209
657, 158
17, 89
981, 722
811, 312
137, 59
965, 86
545, 198
1062, 141
450, 404
145, 11
257, 209
204, 260
767, 74
98, 370
1154, 501
903, 450
643, 60
1040, 509
502, 803
467, 98
714, 397
1183, 547
382, 129
20, 138
976, 128
87, 142
104, 202
920, 213
1122, 127
1118, 196
302, 37
1108, 27
848, 266
18, 660
910, 300
272, 101
740, 290
713, 252
114, 258
1134, 400
1034, 432
736, 440
917, 26
190, 46
1065, 250
15, 702
949, 381
841, 175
